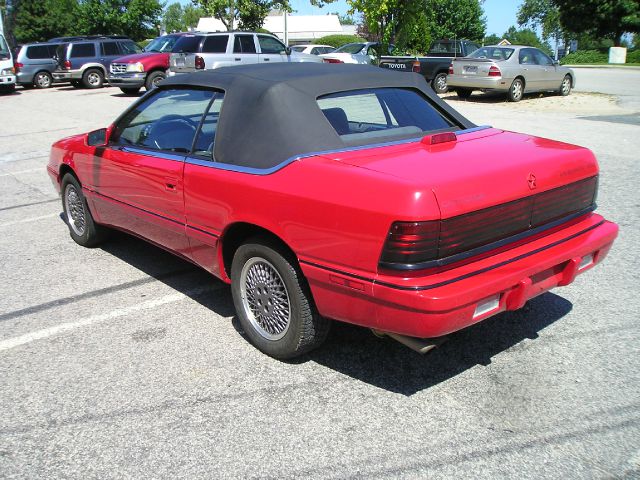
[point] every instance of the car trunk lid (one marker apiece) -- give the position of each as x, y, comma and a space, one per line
475, 67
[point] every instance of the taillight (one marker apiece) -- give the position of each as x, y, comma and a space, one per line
415, 66
451, 68
199, 62
410, 243
331, 60
66, 65
494, 71
18, 66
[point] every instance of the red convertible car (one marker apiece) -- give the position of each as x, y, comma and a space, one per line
337, 192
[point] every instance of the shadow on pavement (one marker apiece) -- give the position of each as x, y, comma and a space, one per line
355, 351
494, 97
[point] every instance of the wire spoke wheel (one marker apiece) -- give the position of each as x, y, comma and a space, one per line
265, 298
75, 210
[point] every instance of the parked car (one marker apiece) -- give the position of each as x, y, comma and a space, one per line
132, 72
35, 64
206, 51
312, 49
514, 70
386, 209
7, 70
435, 66
85, 62
362, 53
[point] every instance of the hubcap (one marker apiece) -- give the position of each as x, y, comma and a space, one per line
43, 80
75, 210
156, 81
566, 84
94, 79
265, 298
441, 82
517, 90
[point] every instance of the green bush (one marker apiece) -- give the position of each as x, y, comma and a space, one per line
633, 57
339, 40
586, 57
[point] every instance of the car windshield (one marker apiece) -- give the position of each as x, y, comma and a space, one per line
162, 44
374, 114
493, 53
298, 48
4, 49
350, 48
187, 44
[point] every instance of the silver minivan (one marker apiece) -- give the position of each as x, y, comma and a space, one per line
205, 51
35, 65
7, 70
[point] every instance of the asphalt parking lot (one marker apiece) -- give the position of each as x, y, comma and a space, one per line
126, 362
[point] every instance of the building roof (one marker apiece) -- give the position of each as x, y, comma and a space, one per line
270, 113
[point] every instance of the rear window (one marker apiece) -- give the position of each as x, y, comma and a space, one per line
445, 47
351, 48
298, 48
215, 44
187, 44
83, 50
383, 112
39, 52
493, 53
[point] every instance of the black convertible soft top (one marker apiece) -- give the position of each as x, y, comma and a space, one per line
270, 113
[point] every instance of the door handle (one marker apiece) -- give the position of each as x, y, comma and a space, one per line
266, 59
237, 59
171, 187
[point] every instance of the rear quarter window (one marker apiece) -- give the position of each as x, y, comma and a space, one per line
38, 52
381, 114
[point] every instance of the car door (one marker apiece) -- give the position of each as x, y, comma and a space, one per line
138, 175
531, 71
81, 54
244, 49
551, 78
109, 51
272, 50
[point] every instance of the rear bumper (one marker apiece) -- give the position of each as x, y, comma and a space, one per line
127, 79
441, 303
478, 83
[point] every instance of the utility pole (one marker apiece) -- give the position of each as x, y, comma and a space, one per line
231, 14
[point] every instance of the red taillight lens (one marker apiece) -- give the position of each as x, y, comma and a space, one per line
415, 66
410, 243
331, 60
199, 63
563, 201
66, 65
494, 71
18, 66
451, 68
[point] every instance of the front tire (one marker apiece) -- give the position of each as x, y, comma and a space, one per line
565, 86
464, 93
439, 83
93, 78
516, 90
153, 79
82, 227
130, 90
273, 301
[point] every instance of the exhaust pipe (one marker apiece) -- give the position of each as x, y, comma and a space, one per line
420, 345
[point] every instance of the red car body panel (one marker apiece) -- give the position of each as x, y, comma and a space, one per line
150, 60
337, 224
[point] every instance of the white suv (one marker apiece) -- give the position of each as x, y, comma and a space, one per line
7, 70
205, 51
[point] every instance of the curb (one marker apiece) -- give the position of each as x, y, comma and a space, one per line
620, 67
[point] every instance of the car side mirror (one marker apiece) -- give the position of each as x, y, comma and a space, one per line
98, 138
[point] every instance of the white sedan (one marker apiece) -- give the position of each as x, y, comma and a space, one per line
312, 49
362, 53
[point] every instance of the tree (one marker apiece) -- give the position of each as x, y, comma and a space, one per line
40, 20
191, 16
135, 18
344, 19
173, 18
492, 39
600, 18
245, 14
457, 19
526, 36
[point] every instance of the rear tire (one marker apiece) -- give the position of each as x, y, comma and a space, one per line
130, 90
565, 86
464, 93
82, 227
273, 301
93, 78
439, 83
516, 90
153, 79
43, 80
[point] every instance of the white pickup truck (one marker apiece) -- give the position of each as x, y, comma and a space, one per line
7, 70
205, 51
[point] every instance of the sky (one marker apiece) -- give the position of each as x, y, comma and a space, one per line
500, 14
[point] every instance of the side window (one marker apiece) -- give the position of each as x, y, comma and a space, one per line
79, 50
206, 137
38, 52
109, 48
542, 58
526, 57
244, 44
270, 45
166, 121
215, 44
129, 47
315, 51
52, 50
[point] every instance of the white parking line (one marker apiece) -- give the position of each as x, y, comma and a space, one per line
27, 220
22, 171
92, 320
